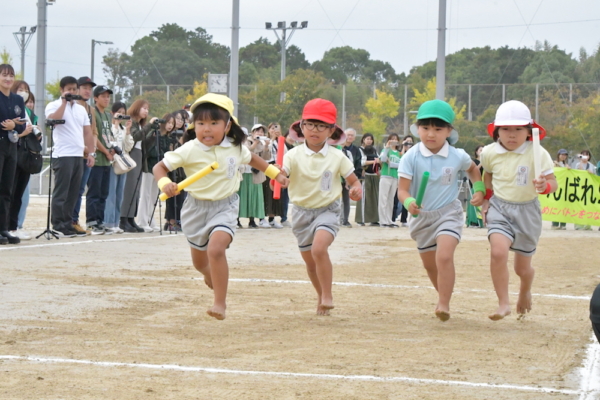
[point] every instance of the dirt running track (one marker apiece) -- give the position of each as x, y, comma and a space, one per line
123, 317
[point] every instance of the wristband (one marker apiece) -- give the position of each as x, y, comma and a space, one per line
408, 202
272, 171
488, 194
548, 188
479, 186
162, 182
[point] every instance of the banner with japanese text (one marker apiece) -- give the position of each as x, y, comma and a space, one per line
577, 199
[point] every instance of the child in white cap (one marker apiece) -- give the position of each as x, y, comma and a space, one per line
511, 208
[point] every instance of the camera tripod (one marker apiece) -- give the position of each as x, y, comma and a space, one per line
49, 233
157, 135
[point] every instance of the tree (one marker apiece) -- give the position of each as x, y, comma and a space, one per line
380, 108
549, 65
6, 57
260, 54
429, 94
341, 64
53, 88
116, 69
199, 90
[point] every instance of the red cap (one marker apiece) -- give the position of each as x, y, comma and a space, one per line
321, 110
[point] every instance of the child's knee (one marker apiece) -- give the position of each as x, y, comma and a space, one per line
216, 251
524, 270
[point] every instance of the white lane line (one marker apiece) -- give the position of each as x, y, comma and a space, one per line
74, 243
590, 372
371, 378
380, 285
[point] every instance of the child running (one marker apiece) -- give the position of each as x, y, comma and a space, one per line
438, 226
210, 210
315, 168
511, 207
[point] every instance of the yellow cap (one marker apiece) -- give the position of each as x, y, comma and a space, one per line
217, 99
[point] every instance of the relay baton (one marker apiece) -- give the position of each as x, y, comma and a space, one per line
192, 178
537, 154
422, 188
280, 151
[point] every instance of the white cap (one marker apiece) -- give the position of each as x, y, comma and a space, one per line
513, 113
256, 126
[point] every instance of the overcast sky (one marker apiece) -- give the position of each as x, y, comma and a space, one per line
401, 32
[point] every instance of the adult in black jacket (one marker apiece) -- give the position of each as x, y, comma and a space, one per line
595, 312
12, 108
354, 154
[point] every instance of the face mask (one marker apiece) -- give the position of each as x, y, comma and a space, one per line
24, 95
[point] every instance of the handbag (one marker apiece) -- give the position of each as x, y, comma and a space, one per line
123, 163
29, 157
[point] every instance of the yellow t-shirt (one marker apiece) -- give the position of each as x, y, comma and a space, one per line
222, 182
513, 171
315, 177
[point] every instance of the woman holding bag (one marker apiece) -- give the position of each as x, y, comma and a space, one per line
121, 130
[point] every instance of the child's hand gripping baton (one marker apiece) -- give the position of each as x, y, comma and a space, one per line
422, 188
280, 152
193, 178
537, 153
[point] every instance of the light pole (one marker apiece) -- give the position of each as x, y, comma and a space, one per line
284, 42
23, 42
94, 43
235, 56
441, 53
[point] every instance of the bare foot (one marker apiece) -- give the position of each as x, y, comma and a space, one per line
323, 309
442, 315
524, 303
208, 281
216, 312
501, 312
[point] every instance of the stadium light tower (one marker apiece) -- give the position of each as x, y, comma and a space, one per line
94, 43
23, 42
285, 41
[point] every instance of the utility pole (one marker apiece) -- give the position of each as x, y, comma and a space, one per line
40, 69
23, 42
441, 53
234, 63
283, 41
94, 43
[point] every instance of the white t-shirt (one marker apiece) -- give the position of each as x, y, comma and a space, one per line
68, 137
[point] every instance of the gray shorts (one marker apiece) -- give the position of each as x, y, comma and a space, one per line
307, 221
520, 222
201, 218
425, 229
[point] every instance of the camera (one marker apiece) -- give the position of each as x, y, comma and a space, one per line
36, 131
175, 136
52, 122
160, 121
583, 156
117, 150
125, 117
70, 97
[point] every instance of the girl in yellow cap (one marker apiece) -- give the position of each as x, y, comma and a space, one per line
209, 213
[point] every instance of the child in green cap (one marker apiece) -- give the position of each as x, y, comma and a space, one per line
438, 222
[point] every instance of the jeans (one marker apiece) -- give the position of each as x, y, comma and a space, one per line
84, 180
112, 211
285, 203
95, 200
67, 176
24, 205
346, 205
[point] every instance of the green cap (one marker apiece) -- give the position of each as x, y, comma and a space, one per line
436, 109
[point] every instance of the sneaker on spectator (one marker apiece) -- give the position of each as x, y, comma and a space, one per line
116, 229
107, 231
347, 225
21, 234
286, 224
3, 240
275, 224
80, 231
97, 230
65, 233
264, 224
252, 225
404, 224
147, 229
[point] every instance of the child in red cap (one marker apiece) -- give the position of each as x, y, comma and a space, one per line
314, 169
512, 209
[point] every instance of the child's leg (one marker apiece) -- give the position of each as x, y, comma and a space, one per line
430, 266
444, 260
320, 270
219, 271
526, 272
311, 269
500, 245
200, 260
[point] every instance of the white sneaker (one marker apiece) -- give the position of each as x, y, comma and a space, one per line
147, 229
156, 228
275, 224
116, 229
264, 224
286, 224
21, 234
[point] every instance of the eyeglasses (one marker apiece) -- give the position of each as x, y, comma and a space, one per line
311, 126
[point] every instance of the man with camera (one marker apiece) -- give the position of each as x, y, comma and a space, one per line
86, 85
70, 140
99, 179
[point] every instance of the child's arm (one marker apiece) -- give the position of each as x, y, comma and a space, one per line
355, 189
487, 180
160, 172
260, 164
404, 194
546, 184
475, 176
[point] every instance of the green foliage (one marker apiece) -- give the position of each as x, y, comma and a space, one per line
380, 109
5, 57
159, 105
549, 65
53, 88
429, 94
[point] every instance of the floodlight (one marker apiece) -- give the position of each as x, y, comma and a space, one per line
281, 24
304, 24
268, 25
294, 24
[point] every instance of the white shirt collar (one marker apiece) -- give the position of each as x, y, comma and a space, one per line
520, 150
323, 151
226, 142
425, 152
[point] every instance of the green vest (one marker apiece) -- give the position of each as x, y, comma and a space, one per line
393, 156
103, 124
